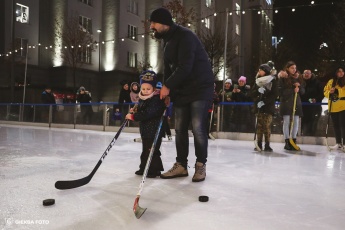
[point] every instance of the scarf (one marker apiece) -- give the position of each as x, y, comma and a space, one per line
265, 81
142, 97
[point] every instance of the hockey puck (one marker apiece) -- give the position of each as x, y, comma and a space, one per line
48, 202
203, 198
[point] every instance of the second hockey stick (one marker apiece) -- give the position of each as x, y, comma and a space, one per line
69, 184
139, 211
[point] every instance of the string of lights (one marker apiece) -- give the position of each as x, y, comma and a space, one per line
260, 11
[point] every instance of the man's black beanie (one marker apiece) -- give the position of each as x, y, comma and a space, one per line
162, 16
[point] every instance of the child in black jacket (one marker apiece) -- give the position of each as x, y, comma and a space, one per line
149, 113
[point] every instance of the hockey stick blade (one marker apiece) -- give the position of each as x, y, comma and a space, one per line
212, 137
138, 211
69, 184
292, 143
257, 146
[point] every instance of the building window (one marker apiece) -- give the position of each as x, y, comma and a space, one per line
84, 55
208, 3
133, 7
132, 32
237, 29
22, 13
207, 23
87, 2
86, 23
236, 50
21, 47
132, 59
238, 9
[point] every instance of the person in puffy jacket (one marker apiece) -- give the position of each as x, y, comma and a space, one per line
188, 80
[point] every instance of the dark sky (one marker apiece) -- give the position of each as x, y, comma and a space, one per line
303, 30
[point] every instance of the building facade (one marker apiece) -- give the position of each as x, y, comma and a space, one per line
33, 48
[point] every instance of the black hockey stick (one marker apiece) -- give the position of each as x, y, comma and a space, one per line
69, 184
139, 211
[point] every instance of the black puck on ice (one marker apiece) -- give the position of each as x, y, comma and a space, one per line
203, 198
48, 202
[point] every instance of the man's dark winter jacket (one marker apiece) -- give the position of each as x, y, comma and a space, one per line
187, 70
313, 89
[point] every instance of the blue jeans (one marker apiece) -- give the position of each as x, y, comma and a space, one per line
196, 113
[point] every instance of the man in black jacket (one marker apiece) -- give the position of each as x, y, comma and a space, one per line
189, 82
311, 112
47, 98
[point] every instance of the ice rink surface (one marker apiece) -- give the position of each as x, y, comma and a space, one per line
247, 190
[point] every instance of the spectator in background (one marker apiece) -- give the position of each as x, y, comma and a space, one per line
313, 94
134, 94
84, 98
124, 97
290, 83
335, 92
241, 114
264, 94
224, 95
47, 97
125, 93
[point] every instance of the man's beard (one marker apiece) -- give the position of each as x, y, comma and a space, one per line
158, 35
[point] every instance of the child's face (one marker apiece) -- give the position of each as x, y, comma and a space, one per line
146, 89
261, 73
241, 83
135, 87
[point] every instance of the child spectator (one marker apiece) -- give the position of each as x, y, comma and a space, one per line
134, 94
264, 94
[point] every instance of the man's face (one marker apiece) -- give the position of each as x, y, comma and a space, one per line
307, 74
159, 29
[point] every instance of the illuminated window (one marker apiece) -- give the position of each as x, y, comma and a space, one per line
21, 46
238, 9
86, 23
132, 59
133, 7
132, 32
207, 23
22, 13
84, 55
208, 3
87, 2
237, 29
236, 50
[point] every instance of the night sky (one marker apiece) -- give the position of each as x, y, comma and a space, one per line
303, 31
